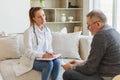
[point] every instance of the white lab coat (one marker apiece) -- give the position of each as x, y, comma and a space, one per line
32, 50
44, 41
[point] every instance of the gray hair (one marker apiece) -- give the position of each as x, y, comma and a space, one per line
97, 15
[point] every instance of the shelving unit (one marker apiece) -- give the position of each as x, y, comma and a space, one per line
53, 10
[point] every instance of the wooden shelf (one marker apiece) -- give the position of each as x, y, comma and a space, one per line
55, 8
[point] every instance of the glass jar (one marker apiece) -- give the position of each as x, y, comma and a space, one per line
63, 17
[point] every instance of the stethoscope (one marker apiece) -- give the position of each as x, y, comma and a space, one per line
36, 34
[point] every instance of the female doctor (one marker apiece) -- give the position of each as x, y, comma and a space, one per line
38, 41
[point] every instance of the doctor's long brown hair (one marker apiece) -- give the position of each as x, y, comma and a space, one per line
32, 14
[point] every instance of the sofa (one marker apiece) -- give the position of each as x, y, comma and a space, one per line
72, 46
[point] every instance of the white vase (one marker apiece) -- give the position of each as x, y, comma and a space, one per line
63, 17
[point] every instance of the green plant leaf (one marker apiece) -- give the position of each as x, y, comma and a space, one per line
42, 0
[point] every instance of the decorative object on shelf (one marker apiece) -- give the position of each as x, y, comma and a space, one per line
77, 29
42, 3
72, 6
70, 18
58, 15
63, 17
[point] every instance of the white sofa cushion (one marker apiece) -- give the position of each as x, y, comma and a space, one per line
85, 46
9, 48
1, 77
66, 44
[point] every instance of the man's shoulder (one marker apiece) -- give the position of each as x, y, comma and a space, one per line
105, 31
100, 34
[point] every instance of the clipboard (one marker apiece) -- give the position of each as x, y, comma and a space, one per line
49, 59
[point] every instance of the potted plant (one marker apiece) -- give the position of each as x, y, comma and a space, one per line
42, 3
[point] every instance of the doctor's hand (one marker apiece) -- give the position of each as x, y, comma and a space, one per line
47, 55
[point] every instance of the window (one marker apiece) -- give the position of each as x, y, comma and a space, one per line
118, 16
111, 10
106, 7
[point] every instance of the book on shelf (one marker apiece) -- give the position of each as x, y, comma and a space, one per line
49, 59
